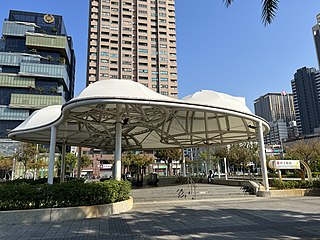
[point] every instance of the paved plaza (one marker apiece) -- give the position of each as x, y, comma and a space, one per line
228, 218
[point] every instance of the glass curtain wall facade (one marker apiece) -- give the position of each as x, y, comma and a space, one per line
278, 110
133, 40
275, 106
37, 66
306, 95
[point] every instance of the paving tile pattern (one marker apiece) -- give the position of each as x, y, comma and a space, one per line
237, 218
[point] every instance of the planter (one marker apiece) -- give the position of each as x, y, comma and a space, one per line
290, 193
64, 214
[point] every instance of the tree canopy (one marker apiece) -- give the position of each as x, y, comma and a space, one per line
6, 164
243, 153
305, 151
26, 154
139, 160
269, 9
168, 154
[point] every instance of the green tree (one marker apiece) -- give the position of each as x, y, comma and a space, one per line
269, 9
37, 164
140, 160
308, 152
85, 161
221, 152
127, 159
70, 162
168, 155
26, 154
242, 153
6, 164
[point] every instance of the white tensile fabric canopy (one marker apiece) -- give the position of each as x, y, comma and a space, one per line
142, 119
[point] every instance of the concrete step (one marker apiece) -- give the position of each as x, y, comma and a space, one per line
203, 191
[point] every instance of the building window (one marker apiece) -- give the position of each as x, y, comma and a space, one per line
143, 50
126, 76
127, 69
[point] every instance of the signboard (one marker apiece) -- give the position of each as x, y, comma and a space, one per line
284, 164
105, 166
159, 166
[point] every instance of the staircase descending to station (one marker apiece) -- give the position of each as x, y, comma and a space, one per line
188, 192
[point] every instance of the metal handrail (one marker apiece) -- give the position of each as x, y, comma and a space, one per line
192, 187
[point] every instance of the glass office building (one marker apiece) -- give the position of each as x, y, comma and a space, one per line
306, 96
37, 67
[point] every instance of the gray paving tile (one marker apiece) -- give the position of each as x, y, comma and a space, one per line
258, 218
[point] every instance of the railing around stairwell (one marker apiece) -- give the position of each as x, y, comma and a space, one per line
192, 188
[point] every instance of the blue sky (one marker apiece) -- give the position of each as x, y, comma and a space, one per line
225, 50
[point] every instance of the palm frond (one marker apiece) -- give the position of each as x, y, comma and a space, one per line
269, 10
228, 2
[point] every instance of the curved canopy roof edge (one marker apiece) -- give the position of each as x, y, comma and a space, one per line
149, 119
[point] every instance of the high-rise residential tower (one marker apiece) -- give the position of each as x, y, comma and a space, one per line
275, 106
278, 110
306, 96
37, 67
133, 39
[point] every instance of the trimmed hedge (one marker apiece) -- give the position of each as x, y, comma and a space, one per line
294, 184
68, 194
40, 180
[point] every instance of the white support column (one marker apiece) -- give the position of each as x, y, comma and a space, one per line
263, 159
13, 174
63, 163
79, 163
225, 168
183, 163
52, 154
117, 150
35, 174
208, 159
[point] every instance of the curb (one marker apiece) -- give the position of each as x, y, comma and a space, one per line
289, 193
64, 214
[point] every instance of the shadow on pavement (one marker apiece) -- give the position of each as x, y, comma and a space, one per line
178, 222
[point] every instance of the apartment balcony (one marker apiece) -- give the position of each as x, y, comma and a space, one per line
34, 69
14, 59
7, 113
13, 80
10, 28
94, 4
44, 41
94, 10
33, 101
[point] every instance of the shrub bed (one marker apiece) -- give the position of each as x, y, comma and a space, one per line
22, 195
294, 184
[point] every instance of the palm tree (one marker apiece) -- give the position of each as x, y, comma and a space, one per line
269, 9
